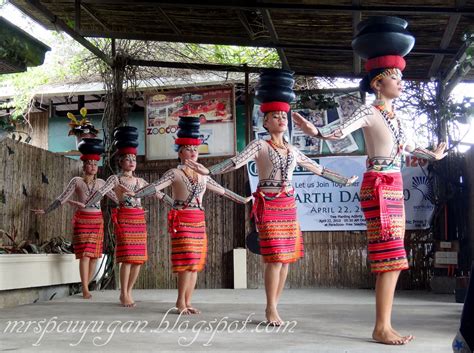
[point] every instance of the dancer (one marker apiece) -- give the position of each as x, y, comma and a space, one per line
129, 217
381, 191
274, 209
88, 222
186, 220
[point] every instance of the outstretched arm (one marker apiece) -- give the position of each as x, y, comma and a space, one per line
249, 153
61, 199
213, 186
152, 189
359, 119
109, 185
158, 194
317, 169
420, 152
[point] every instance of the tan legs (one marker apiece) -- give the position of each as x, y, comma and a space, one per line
86, 271
384, 294
128, 277
186, 284
275, 278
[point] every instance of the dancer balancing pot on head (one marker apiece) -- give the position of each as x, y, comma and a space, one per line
88, 222
383, 41
129, 218
274, 209
186, 221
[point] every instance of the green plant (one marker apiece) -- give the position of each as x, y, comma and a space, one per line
316, 101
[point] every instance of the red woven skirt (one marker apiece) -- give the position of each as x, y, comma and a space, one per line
279, 233
381, 196
187, 230
130, 235
88, 237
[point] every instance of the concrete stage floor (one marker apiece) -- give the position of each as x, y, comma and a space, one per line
321, 320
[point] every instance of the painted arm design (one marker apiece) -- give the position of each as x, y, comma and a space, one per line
219, 189
249, 153
356, 121
111, 183
153, 188
317, 169
61, 199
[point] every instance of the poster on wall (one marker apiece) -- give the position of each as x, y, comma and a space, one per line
326, 206
213, 105
305, 143
345, 105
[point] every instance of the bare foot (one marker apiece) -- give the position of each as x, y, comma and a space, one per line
407, 338
129, 295
272, 317
390, 338
193, 310
183, 311
182, 308
86, 295
126, 301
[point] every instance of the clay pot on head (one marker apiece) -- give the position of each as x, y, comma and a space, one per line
275, 94
125, 143
187, 133
91, 146
382, 35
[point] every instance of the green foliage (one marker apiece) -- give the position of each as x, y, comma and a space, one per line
62, 64
316, 101
232, 55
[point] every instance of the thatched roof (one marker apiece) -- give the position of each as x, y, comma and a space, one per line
312, 36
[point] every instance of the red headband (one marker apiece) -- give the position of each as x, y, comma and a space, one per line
127, 150
90, 157
275, 107
387, 61
187, 141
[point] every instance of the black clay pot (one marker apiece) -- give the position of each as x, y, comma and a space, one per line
190, 119
91, 146
383, 28
275, 94
371, 45
125, 128
189, 125
280, 81
382, 35
126, 135
380, 20
273, 72
191, 134
125, 143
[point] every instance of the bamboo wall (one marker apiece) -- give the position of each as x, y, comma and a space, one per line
38, 129
22, 188
333, 259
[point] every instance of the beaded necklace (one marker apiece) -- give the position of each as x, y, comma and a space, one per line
194, 181
89, 189
284, 167
389, 117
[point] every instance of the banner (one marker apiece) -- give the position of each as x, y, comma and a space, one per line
214, 106
326, 206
